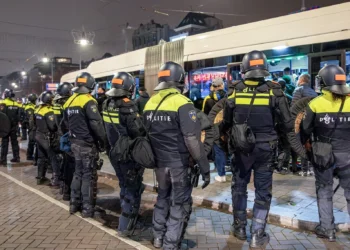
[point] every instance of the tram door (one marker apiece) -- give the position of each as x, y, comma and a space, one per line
318, 60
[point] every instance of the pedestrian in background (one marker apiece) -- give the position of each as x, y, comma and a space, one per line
142, 100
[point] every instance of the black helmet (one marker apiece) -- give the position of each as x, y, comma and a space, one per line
332, 78
123, 84
46, 97
32, 98
170, 75
64, 90
8, 93
84, 83
254, 65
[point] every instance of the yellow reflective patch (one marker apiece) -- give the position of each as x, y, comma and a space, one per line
43, 110
325, 104
172, 103
251, 94
257, 101
57, 112
108, 120
79, 101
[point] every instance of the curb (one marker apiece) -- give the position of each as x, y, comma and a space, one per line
283, 220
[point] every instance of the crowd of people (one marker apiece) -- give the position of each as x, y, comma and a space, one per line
247, 127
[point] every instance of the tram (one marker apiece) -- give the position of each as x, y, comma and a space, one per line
302, 42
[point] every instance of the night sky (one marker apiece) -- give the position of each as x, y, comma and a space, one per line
33, 20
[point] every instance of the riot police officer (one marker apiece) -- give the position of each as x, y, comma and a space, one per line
252, 106
327, 120
121, 119
64, 91
12, 109
29, 119
174, 132
87, 137
45, 129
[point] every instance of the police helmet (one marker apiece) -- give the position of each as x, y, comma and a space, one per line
123, 84
8, 93
64, 90
170, 75
332, 78
46, 97
32, 98
254, 65
84, 83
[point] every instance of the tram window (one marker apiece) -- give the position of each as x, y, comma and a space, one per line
200, 81
296, 65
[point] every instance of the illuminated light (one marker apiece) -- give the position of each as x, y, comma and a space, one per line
83, 42
209, 76
45, 60
23, 73
13, 84
288, 58
273, 61
282, 47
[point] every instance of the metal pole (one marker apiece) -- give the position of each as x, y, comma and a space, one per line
52, 71
303, 7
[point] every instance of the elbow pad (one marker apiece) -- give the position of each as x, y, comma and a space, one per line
193, 147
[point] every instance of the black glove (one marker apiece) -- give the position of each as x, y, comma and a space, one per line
206, 179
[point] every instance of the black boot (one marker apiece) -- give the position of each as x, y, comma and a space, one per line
74, 206
239, 229
157, 243
15, 160
259, 239
326, 234
55, 182
66, 193
42, 181
87, 211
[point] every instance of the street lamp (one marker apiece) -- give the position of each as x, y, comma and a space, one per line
23, 73
13, 84
83, 42
47, 60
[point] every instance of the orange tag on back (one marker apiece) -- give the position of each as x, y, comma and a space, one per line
256, 62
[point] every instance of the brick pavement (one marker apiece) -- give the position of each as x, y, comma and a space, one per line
293, 203
208, 229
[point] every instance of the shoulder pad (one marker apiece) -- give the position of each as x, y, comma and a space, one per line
273, 85
239, 85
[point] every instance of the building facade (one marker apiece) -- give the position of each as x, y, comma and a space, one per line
150, 34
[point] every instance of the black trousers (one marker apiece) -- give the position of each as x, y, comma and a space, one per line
174, 205
83, 187
261, 161
46, 155
324, 188
12, 136
24, 130
31, 144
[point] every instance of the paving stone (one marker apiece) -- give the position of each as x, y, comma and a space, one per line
51, 222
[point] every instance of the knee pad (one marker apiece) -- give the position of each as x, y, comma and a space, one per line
264, 204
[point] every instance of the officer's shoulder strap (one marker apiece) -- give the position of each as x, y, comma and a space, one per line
275, 88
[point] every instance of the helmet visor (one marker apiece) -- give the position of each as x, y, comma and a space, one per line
318, 86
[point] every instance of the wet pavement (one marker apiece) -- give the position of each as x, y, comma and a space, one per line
35, 217
293, 203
